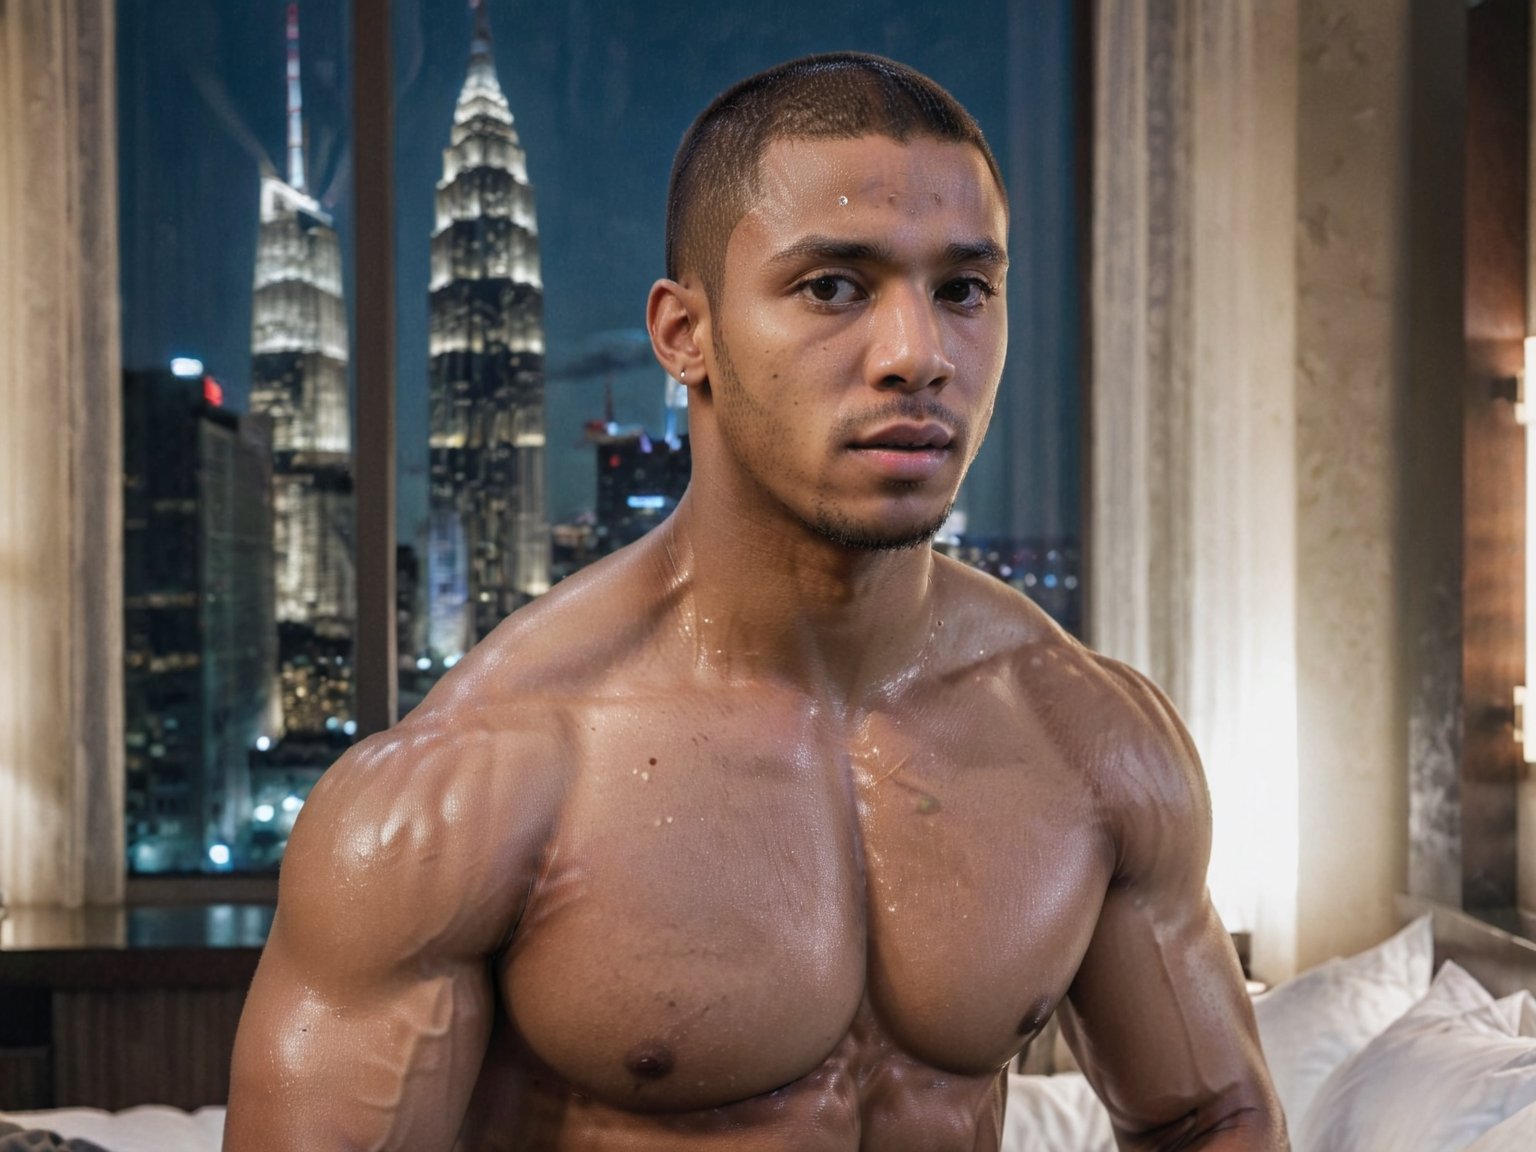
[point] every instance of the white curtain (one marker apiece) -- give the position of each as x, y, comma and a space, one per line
1193, 546
61, 651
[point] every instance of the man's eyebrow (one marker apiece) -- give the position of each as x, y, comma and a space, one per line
831, 249
834, 250
977, 252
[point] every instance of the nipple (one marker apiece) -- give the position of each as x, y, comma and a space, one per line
649, 1060
1034, 1020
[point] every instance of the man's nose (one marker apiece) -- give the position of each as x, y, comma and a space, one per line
906, 350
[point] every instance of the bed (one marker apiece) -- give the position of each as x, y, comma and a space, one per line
1424, 1043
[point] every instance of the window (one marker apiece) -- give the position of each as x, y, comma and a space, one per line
535, 430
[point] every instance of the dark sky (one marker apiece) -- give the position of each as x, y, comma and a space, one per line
601, 91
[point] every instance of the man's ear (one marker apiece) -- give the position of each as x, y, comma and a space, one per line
677, 315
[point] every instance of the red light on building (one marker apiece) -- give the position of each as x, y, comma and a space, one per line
213, 392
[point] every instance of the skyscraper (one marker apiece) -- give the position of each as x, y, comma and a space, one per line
197, 561
640, 481
489, 541
299, 380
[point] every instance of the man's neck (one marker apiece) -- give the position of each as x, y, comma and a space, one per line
781, 602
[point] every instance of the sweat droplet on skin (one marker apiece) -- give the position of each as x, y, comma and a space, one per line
843, 200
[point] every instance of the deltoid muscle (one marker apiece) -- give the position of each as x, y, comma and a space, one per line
489, 539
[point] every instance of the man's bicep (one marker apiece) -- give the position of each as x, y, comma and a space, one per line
1158, 1012
1160, 1021
368, 1019
367, 1053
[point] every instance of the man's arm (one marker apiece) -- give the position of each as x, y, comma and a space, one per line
368, 1018
1158, 1014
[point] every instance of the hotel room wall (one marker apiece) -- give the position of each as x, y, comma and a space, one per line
1493, 609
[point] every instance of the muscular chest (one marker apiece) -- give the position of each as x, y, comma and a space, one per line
719, 900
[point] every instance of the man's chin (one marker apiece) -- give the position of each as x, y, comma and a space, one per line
858, 537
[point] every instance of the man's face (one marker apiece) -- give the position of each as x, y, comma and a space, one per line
858, 335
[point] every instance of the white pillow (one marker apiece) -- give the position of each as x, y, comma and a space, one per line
1450, 1069
1517, 1134
149, 1128
1056, 1113
1312, 1024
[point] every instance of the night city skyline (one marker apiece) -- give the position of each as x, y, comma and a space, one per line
600, 93
533, 147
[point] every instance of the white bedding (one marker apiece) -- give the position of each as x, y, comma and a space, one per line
1045, 1114
149, 1128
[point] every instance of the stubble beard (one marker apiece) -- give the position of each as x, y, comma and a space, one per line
827, 521
846, 533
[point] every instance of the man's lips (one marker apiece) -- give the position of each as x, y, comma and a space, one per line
905, 437
906, 451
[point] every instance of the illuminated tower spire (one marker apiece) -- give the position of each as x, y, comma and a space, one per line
299, 381
295, 105
480, 46
490, 540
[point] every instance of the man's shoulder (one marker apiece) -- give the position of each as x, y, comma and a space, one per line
438, 750
569, 645
989, 621
1107, 718
438, 813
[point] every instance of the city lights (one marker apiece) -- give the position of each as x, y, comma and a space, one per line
236, 712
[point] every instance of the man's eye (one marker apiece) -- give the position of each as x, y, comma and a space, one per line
831, 289
968, 291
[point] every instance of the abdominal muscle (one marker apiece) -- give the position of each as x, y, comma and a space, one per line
866, 1096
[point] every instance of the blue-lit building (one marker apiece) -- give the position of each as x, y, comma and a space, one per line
198, 616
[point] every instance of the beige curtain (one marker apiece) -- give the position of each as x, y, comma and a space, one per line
1248, 317
61, 704
1194, 490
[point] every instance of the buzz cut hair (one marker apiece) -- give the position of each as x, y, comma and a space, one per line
716, 175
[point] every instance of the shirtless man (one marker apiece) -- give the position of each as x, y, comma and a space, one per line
774, 831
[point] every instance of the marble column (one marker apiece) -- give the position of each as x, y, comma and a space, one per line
61, 696
1352, 364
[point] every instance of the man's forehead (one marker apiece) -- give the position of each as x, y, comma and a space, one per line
939, 171
871, 187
